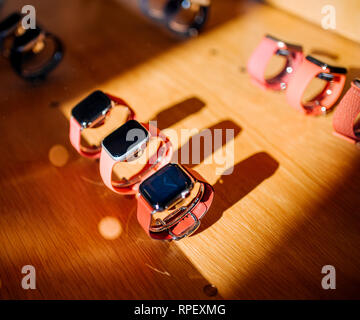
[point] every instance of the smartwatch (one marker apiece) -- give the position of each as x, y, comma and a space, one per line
35, 54
185, 18
264, 52
346, 114
126, 144
304, 74
172, 202
89, 113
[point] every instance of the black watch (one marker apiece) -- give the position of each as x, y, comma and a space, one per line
35, 54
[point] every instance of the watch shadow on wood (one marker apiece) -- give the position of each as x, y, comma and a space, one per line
324, 54
327, 234
202, 145
170, 116
229, 189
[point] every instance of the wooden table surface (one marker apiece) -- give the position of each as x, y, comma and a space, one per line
290, 206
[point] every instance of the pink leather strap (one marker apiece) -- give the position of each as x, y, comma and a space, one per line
75, 131
261, 57
144, 211
346, 113
121, 102
75, 139
107, 163
300, 80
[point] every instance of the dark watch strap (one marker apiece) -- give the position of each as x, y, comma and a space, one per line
18, 56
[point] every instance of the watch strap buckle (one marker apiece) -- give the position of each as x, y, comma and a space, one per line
188, 231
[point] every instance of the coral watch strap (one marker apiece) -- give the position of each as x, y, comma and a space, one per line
302, 78
260, 58
75, 139
122, 102
106, 168
107, 163
299, 82
346, 113
144, 213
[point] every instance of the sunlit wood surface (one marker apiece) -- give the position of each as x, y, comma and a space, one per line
346, 13
290, 207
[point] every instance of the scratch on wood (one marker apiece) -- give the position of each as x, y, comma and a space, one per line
98, 183
157, 270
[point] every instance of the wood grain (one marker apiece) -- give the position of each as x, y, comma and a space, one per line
290, 206
346, 14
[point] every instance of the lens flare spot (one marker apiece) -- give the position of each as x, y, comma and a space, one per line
58, 155
110, 228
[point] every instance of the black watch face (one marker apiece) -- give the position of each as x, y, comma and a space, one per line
321, 64
272, 38
125, 140
9, 24
165, 186
315, 61
91, 108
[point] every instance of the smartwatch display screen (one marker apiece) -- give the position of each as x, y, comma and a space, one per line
165, 186
126, 140
91, 108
